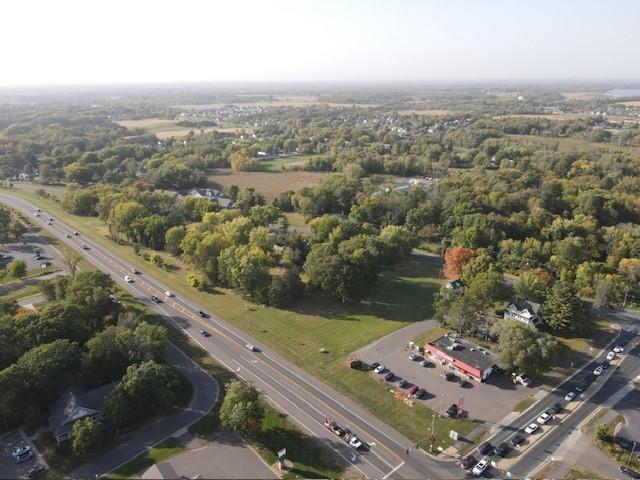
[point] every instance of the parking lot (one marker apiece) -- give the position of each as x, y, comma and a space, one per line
487, 402
9, 469
26, 251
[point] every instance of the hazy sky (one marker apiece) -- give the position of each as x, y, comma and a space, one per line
133, 41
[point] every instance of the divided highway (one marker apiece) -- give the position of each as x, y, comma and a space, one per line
307, 400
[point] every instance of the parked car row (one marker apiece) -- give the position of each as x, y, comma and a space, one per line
413, 390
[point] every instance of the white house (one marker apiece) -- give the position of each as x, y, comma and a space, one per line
523, 311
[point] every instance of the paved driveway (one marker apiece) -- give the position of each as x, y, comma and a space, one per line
8, 467
226, 457
487, 402
204, 397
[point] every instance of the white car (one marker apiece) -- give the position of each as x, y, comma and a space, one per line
251, 347
618, 349
379, 369
570, 396
544, 418
75, 233
167, 293
480, 467
128, 279
611, 356
531, 428
355, 442
36, 214
598, 371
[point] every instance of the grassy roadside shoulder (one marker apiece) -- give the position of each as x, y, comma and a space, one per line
310, 458
159, 453
315, 334
605, 441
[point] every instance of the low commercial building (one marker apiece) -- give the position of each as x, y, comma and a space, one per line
464, 357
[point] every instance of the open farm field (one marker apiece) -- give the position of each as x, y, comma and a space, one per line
270, 184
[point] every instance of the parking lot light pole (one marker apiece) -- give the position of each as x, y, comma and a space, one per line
631, 454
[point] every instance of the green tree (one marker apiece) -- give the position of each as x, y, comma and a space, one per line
87, 436
145, 390
563, 310
173, 238
529, 287
17, 268
522, 348
242, 409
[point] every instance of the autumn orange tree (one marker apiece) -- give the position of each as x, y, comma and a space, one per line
454, 259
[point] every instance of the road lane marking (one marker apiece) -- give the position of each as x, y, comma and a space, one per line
393, 471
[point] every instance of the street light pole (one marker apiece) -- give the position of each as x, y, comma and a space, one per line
631, 454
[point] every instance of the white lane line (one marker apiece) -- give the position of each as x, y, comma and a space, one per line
393, 471
108, 256
320, 414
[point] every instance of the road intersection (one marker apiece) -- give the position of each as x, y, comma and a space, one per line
307, 400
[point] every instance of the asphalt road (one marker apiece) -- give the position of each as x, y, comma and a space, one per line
304, 398
205, 394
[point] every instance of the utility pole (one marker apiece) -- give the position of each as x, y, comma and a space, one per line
631, 455
626, 292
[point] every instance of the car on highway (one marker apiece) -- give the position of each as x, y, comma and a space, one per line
531, 428
36, 214
605, 365
502, 449
167, 293
251, 347
480, 467
135, 271
128, 279
204, 333
516, 440
544, 418
598, 371
155, 299
618, 349
49, 222
485, 448
389, 376
581, 387
68, 235
355, 442
556, 408
570, 396
85, 247
379, 369
75, 233
338, 430
202, 314
611, 356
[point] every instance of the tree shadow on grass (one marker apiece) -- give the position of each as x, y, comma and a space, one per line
302, 449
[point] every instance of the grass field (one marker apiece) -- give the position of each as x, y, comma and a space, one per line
283, 163
270, 184
162, 451
572, 144
403, 295
164, 129
523, 404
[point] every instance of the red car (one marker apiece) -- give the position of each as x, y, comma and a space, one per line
413, 390
389, 376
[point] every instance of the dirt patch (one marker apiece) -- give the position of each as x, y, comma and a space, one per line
270, 184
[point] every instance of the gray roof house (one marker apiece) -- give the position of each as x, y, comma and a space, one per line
73, 405
524, 311
212, 193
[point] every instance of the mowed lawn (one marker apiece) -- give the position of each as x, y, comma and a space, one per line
403, 294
